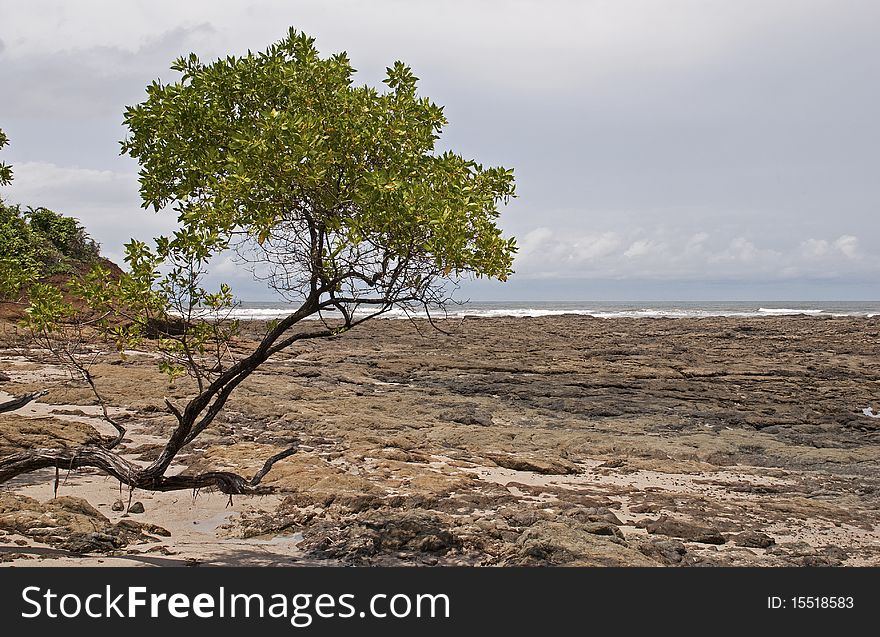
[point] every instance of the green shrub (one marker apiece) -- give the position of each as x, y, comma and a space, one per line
39, 243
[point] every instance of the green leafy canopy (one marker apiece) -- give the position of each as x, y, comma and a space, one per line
334, 191
272, 144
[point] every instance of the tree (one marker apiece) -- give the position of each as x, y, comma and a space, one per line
19, 264
16, 265
5, 170
333, 193
13, 272
37, 243
33, 245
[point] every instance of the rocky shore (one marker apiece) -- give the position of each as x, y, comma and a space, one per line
508, 441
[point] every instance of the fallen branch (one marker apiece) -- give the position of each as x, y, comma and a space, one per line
20, 401
133, 475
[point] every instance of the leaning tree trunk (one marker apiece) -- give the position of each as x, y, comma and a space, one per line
198, 414
192, 421
128, 473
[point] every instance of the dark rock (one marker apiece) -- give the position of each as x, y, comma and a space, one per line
665, 551
4, 378
161, 548
119, 505
753, 539
523, 517
568, 543
385, 532
803, 554
137, 507
602, 528
647, 507
836, 553
433, 543
594, 514
793, 549
137, 530
17, 433
609, 517
544, 466
818, 560
467, 415
685, 531
162, 328
89, 543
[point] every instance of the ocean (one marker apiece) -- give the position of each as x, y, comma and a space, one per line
605, 309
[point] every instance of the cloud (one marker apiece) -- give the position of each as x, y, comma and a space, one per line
739, 249
640, 248
814, 248
52, 182
590, 248
93, 81
668, 253
107, 203
568, 46
845, 245
848, 245
542, 248
656, 140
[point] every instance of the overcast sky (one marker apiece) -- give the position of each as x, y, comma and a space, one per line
664, 149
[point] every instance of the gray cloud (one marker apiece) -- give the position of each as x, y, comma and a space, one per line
688, 254
91, 82
673, 141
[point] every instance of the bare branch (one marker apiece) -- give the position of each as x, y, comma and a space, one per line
120, 430
173, 409
267, 466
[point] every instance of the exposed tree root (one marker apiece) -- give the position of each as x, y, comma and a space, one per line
133, 475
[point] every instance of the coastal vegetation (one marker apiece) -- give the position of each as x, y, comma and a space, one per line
38, 243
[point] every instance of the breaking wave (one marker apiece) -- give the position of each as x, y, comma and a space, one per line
269, 310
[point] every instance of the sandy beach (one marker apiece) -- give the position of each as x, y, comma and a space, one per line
563, 440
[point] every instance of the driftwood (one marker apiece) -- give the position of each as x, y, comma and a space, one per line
133, 475
20, 401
